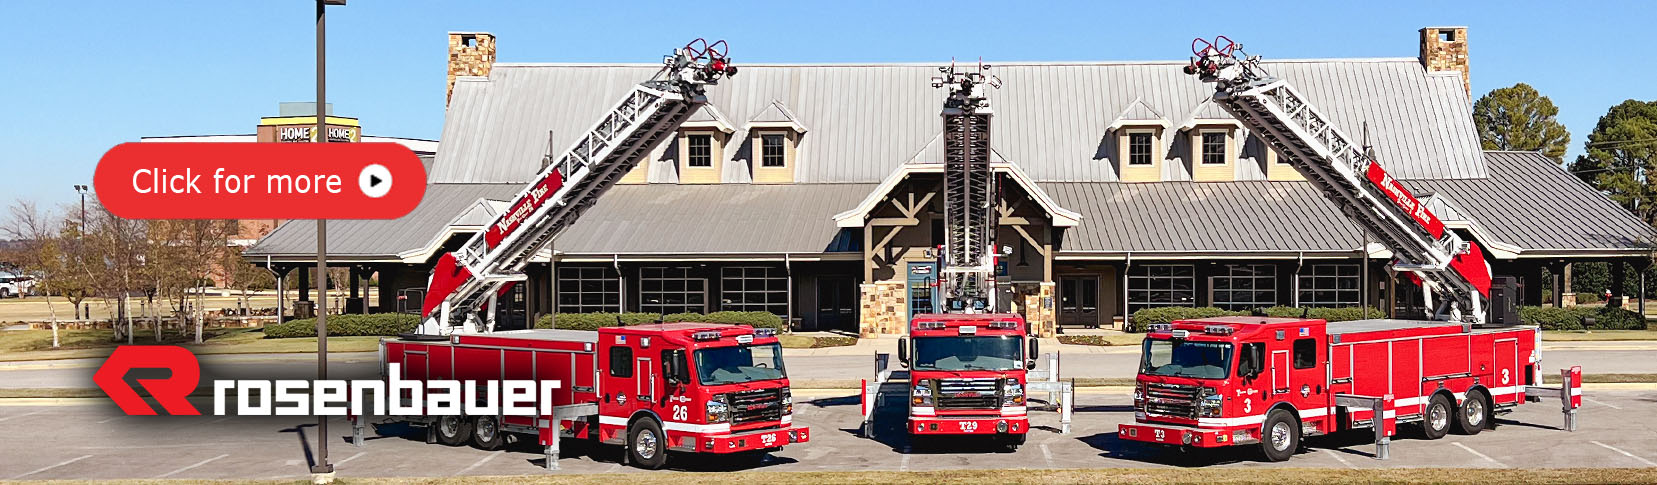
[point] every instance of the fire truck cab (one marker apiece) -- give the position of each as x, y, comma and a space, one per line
967, 375
1219, 382
679, 387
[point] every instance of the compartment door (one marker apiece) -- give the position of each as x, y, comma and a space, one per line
1280, 372
1506, 371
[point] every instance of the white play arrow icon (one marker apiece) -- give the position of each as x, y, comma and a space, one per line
374, 181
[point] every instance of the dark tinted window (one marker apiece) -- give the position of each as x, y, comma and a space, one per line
621, 362
1306, 353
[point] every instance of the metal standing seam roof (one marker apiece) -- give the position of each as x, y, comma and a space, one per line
1051, 118
711, 219
1202, 217
1530, 202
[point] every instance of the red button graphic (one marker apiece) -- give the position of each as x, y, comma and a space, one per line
260, 180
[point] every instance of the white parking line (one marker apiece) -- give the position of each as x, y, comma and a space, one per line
904, 466
192, 467
1339, 458
352, 457
1609, 405
15, 416
111, 419
1047, 454
1624, 453
1481, 455
49, 467
479, 463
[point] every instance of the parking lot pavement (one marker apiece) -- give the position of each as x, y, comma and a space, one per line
95, 441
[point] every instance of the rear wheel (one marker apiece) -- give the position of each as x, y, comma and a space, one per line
453, 430
1474, 414
646, 445
1280, 437
486, 433
5, 293
1435, 422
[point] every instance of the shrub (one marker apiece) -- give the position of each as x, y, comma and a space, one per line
1587, 298
833, 341
1084, 340
1603, 318
1342, 314
381, 324
1155, 315
594, 321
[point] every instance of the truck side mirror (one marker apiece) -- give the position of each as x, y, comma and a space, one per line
903, 351
1253, 361
670, 368
1035, 350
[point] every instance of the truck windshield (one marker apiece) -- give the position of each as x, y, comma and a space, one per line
1185, 358
968, 353
741, 363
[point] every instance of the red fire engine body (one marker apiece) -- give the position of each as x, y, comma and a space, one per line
685, 387
1227, 381
967, 375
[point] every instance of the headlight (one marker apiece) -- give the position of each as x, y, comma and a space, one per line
787, 401
1208, 403
718, 411
921, 395
1012, 393
1139, 396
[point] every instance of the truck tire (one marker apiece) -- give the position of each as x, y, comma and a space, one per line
453, 430
5, 293
1474, 414
487, 434
1436, 420
646, 444
1280, 436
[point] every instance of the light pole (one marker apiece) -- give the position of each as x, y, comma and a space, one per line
322, 466
81, 189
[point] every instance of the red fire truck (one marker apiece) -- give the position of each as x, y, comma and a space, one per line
967, 375
673, 387
1228, 381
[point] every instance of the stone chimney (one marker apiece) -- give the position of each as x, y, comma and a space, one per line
1445, 49
470, 54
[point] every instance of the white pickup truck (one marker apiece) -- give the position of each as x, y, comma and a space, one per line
14, 285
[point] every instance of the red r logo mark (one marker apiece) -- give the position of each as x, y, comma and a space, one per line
171, 391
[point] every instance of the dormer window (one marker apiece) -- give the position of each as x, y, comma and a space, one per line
699, 150
1141, 148
1213, 148
773, 150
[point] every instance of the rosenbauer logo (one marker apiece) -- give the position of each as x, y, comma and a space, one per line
297, 397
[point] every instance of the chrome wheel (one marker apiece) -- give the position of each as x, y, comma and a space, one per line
1280, 436
449, 425
487, 429
1438, 418
645, 444
1474, 411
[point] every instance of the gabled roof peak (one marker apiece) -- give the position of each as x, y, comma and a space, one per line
708, 116
775, 115
1139, 113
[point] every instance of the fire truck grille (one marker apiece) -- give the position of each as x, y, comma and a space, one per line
756, 406
1171, 400
968, 393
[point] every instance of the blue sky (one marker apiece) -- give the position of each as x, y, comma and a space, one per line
81, 77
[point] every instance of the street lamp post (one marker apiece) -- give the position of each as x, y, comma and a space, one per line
322, 466
81, 189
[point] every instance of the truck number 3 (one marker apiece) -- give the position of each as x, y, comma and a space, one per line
1505, 377
681, 413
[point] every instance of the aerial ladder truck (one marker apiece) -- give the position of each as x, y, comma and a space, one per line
1228, 381
466, 284
969, 372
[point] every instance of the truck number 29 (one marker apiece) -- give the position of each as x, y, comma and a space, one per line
969, 426
680, 413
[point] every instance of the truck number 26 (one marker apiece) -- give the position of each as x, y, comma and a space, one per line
681, 413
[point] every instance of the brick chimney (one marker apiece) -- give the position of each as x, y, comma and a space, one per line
470, 54
1445, 49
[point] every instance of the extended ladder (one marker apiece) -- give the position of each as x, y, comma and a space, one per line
968, 259
471, 278
1366, 193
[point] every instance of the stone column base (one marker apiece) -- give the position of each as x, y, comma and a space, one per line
1039, 312
885, 309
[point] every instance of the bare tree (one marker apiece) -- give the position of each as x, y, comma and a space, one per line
120, 246
38, 251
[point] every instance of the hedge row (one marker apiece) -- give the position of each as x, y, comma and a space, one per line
592, 321
384, 324
1602, 318
1149, 316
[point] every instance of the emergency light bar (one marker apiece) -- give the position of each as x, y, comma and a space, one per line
708, 335
1219, 330
930, 325
1159, 327
1003, 325
765, 332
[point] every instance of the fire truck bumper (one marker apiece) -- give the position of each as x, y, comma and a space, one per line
1182, 435
949, 425
743, 441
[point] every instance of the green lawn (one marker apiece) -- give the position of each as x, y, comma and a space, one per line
37, 344
1598, 335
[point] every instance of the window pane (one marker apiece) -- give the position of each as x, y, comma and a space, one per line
1213, 148
699, 150
1139, 148
771, 150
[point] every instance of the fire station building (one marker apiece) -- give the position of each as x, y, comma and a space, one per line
813, 191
